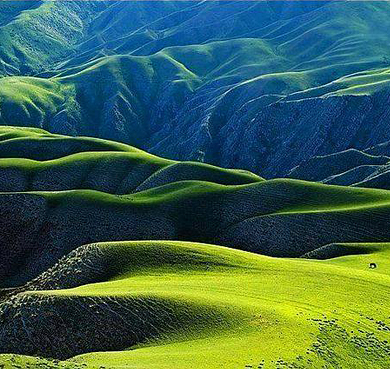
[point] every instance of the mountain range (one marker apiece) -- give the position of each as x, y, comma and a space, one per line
262, 86
194, 184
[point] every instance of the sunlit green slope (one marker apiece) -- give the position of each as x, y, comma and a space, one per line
33, 160
112, 257
60, 192
261, 85
177, 303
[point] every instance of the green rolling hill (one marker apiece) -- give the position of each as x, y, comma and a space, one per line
126, 194
145, 73
177, 303
127, 239
161, 263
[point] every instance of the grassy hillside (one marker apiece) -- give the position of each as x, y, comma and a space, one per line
176, 303
34, 160
161, 263
61, 192
113, 257
185, 80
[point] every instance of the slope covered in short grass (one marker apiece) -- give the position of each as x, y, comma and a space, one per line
134, 248
11, 361
58, 193
216, 307
33, 160
258, 85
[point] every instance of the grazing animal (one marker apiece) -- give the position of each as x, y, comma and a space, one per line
373, 266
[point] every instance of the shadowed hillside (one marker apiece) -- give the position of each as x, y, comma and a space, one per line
101, 265
261, 86
347, 168
53, 204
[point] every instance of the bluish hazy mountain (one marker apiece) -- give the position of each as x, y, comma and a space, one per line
257, 85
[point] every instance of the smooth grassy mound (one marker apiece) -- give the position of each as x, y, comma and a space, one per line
34, 160
111, 172
47, 214
171, 303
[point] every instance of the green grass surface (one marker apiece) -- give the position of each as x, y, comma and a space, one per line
10, 361
176, 304
82, 190
147, 73
273, 312
34, 160
140, 72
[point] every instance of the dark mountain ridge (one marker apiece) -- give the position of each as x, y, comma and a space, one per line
257, 85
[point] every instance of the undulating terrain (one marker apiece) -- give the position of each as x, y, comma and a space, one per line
261, 85
112, 257
194, 184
